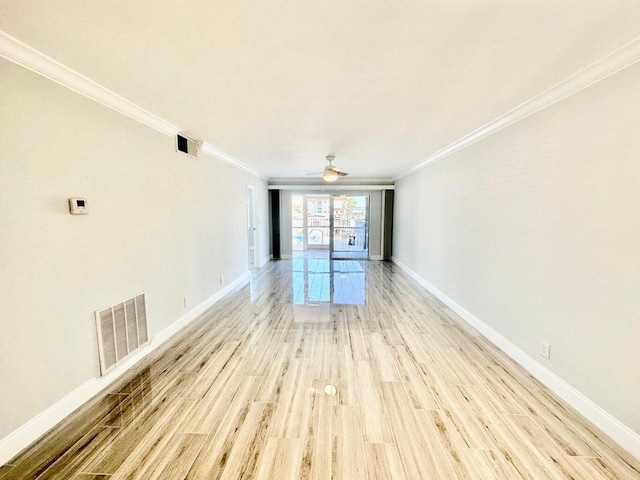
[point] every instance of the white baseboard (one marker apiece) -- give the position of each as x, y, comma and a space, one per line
285, 256
375, 257
619, 432
192, 314
265, 260
28, 433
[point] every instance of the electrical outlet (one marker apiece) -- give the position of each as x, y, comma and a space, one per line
545, 349
221, 279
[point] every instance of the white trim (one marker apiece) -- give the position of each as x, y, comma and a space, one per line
371, 257
28, 57
28, 433
331, 188
22, 54
382, 223
220, 155
615, 61
256, 221
265, 260
619, 432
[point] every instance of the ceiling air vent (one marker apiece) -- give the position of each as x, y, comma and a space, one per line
187, 145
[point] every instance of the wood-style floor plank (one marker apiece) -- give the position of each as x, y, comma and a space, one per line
489, 465
348, 447
247, 451
4, 471
448, 460
414, 453
280, 459
150, 452
294, 406
315, 461
383, 462
375, 424
398, 387
213, 456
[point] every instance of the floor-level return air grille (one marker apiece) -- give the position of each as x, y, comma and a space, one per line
122, 328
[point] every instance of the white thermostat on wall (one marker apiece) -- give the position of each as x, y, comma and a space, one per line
78, 206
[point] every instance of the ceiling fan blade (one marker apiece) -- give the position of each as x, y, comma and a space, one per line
336, 170
330, 171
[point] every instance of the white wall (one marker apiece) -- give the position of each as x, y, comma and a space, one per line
159, 221
536, 231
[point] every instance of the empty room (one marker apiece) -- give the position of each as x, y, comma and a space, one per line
320, 240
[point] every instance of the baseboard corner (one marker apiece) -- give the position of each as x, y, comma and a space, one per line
265, 260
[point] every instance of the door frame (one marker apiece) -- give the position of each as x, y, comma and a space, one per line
252, 214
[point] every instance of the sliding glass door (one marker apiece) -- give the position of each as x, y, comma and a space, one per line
318, 222
310, 222
338, 224
350, 226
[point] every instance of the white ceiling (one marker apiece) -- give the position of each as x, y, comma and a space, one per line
278, 85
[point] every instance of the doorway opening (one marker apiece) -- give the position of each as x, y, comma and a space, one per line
335, 224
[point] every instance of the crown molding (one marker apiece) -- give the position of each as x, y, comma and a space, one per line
213, 151
313, 180
614, 62
22, 54
331, 187
28, 57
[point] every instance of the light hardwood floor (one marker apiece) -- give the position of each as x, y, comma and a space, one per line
245, 392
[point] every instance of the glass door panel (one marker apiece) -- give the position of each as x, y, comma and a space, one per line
318, 227
297, 222
350, 226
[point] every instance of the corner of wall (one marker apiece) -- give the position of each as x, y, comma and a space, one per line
620, 433
265, 260
28, 433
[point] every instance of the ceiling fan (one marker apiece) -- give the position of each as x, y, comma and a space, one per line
331, 172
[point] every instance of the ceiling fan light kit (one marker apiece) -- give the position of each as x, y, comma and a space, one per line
329, 176
330, 173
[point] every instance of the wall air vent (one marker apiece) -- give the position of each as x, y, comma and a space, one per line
187, 145
122, 329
